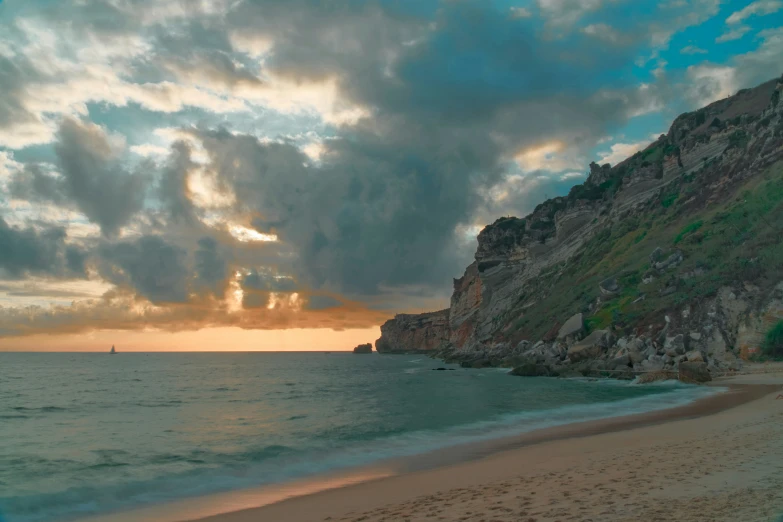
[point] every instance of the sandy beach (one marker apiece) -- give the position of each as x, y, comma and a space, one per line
720, 459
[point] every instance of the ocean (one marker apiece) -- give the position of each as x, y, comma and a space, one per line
84, 434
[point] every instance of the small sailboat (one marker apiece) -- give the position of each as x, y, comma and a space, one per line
113, 351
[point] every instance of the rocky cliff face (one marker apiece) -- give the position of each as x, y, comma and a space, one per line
414, 333
696, 200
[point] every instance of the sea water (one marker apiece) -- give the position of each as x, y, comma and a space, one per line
82, 434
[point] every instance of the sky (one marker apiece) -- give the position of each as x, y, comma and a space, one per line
289, 174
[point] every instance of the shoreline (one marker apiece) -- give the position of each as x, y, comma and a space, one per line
391, 481
458, 466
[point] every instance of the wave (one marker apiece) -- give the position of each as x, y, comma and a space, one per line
159, 404
44, 409
223, 471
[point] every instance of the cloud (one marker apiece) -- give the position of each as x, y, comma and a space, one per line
32, 183
603, 32
567, 12
173, 189
95, 179
150, 266
520, 12
733, 34
211, 267
760, 64
550, 156
92, 177
27, 251
119, 311
692, 49
620, 151
758, 8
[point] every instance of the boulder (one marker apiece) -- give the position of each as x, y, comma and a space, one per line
481, 363
609, 286
656, 255
674, 346
554, 351
636, 356
590, 347
653, 364
618, 363
670, 262
531, 369
694, 372
662, 375
694, 356
574, 326
363, 348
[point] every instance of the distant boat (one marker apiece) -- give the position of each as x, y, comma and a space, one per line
113, 351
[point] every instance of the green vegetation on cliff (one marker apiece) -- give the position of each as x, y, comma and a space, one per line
733, 238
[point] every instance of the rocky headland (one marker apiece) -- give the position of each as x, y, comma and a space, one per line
668, 263
363, 348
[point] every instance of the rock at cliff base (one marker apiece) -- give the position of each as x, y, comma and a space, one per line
481, 363
574, 326
363, 348
590, 347
675, 346
694, 356
694, 372
530, 369
619, 363
656, 376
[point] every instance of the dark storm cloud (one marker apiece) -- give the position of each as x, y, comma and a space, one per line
27, 251
173, 189
200, 48
210, 267
94, 178
322, 302
256, 280
154, 268
15, 74
31, 183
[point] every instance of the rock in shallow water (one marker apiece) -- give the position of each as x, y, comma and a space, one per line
363, 348
656, 376
526, 370
694, 372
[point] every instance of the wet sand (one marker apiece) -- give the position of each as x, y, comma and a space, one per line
720, 458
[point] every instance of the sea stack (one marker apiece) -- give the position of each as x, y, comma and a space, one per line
363, 348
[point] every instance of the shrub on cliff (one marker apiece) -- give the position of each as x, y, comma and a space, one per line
773, 343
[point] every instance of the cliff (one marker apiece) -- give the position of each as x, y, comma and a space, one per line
679, 241
414, 333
